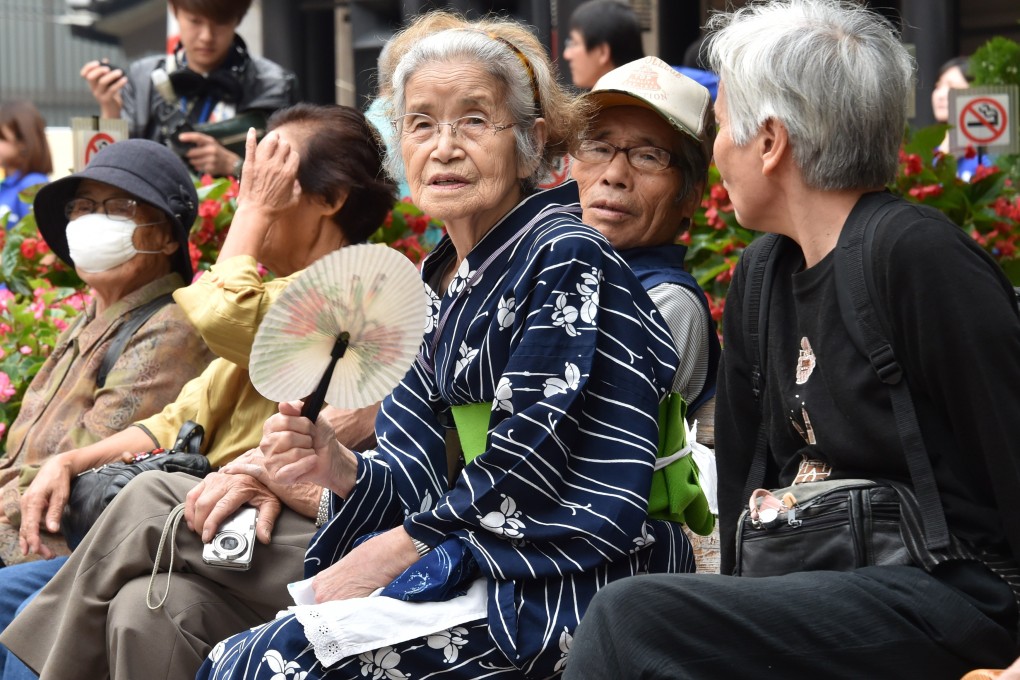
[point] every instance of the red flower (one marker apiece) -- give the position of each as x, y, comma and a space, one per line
29, 249
912, 165
726, 275
715, 306
925, 191
206, 180
1006, 248
235, 188
209, 208
418, 224
969, 152
195, 254
982, 171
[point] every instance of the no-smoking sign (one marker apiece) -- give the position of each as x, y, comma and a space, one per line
983, 117
99, 141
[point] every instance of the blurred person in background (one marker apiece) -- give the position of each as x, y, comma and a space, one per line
604, 34
24, 156
213, 76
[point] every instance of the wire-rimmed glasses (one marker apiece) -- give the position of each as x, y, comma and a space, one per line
422, 127
643, 158
122, 209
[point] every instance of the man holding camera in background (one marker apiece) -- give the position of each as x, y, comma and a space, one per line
182, 99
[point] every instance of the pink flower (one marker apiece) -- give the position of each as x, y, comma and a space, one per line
25, 349
6, 388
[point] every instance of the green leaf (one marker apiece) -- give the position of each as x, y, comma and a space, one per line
706, 276
924, 141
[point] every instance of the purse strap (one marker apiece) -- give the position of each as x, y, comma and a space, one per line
126, 331
189, 438
855, 292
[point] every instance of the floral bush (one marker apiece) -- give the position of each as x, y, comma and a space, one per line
987, 208
409, 230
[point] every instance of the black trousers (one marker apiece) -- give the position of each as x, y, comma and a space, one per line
876, 622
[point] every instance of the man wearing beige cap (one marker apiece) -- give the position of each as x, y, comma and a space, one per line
641, 172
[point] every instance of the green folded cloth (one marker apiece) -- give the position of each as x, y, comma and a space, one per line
472, 422
675, 494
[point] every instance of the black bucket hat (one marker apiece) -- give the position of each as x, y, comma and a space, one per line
145, 169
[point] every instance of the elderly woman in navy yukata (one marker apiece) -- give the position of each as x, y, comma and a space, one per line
542, 341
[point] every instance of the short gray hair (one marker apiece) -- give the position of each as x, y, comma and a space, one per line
507, 70
833, 73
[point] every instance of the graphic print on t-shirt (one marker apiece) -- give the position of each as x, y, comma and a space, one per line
811, 469
805, 362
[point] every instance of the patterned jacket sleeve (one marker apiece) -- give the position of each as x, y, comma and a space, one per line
407, 419
144, 378
227, 303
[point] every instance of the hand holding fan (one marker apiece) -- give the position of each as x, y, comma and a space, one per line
344, 331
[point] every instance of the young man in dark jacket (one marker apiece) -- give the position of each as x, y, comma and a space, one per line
209, 78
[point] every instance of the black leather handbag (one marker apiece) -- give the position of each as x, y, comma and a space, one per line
834, 525
94, 489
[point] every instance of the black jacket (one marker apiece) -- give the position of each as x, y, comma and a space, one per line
955, 333
261, 86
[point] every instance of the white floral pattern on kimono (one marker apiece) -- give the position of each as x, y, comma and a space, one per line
555, 507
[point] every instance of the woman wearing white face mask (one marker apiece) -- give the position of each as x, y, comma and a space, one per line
123, 224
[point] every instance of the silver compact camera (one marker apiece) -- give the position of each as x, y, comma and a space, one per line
233, 544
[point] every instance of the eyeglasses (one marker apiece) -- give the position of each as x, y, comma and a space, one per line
643, 158
122, 209
422, 127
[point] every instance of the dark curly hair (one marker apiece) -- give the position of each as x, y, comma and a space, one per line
342, 151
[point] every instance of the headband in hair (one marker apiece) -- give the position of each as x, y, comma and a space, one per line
527, 67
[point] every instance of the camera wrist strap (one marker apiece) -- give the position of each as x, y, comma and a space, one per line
173, 520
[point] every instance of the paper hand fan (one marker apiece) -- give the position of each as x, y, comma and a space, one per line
345, 330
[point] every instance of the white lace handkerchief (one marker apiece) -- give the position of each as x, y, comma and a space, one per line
347, 627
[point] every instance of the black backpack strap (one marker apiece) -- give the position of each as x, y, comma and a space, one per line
126, 330
760, 272
855, 292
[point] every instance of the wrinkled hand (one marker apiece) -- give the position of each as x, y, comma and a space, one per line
302, 498
219, 495
45, 498
208, 155
298, 450
269, 175
370, 566
105, 84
